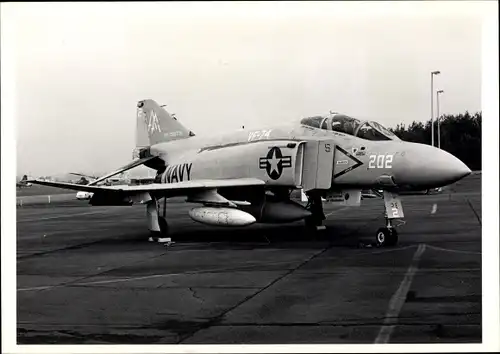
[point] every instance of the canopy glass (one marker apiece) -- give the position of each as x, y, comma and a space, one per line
341, 123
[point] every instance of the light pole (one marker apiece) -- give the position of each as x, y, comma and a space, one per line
437, 116
437, 72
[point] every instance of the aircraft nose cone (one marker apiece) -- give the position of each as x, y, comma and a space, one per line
428, 166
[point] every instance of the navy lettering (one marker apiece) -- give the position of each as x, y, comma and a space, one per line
177, 173
181, 171
174, 174
168, 173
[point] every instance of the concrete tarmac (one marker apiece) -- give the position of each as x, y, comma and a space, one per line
87, 275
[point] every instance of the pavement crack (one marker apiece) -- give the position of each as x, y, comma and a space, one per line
193, 292
76, 282
474, 211
216, 320
68, 248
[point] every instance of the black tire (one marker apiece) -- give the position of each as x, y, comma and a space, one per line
312, 222
386, 237
164, 229
155, 236
393, 238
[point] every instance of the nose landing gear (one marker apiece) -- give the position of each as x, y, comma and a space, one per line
388, 236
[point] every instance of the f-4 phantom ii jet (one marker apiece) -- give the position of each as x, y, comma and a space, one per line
247, 176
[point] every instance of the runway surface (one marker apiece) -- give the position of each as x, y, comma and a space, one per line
39, 190
87, 275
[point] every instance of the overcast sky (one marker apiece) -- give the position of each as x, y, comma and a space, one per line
81, 68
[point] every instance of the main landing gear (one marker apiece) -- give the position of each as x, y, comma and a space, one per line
157, 224
388, 236
315, 206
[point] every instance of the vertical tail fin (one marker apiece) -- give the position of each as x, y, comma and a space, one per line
155, 125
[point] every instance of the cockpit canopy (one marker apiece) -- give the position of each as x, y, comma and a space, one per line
341, 123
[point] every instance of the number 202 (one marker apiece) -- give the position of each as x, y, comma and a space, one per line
380, 161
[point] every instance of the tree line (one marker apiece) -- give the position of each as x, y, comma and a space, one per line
460, 136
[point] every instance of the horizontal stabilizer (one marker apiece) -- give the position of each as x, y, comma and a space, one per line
129, 166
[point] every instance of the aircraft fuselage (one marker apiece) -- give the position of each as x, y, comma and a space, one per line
273, 154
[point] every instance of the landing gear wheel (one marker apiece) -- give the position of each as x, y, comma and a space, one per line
155, 236
315, 221
312, 222
164, 229
386, 237
393, 238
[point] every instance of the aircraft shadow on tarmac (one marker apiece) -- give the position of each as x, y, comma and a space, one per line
276, 235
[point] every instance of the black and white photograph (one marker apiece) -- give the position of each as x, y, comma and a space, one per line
225, 176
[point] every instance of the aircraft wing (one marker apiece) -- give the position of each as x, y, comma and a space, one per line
167, 189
